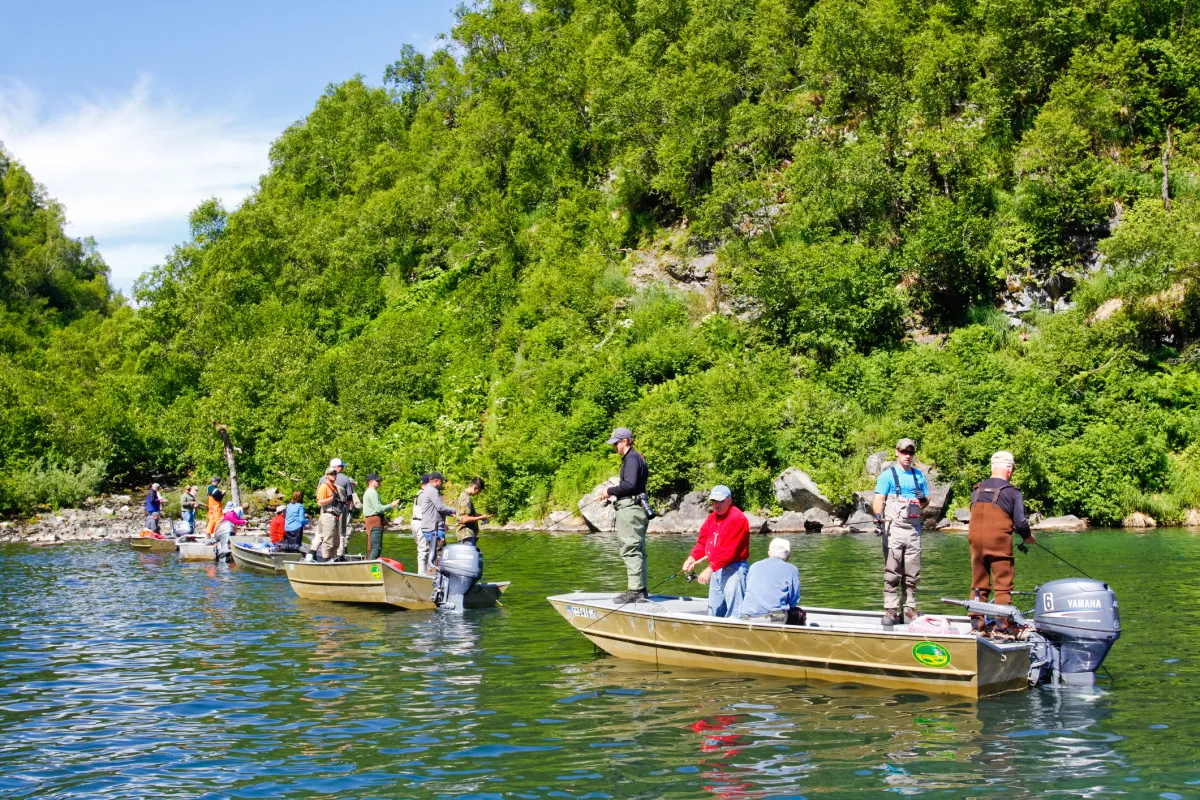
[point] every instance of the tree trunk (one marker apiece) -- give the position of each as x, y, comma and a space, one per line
1166, 160
235, 494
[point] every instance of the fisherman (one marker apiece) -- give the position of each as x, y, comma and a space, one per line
901, 493
226, 528
188, 503
332, 506
997, 512
418, 535
468, 518
293, 524
154, 502
276, 529
215, 498
152, 522
346, 486
375, 514
724, 541
633, 515
773, 586
433, 520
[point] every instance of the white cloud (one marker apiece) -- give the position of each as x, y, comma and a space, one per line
129, 169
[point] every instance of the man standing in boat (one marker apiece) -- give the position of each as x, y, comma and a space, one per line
724, 541
434, 512
345, 486
468, 518
332, 506
901, 493
417, 529
997, 512
215, 498
375, 516
633, 516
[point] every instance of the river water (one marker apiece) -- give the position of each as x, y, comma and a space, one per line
128, 675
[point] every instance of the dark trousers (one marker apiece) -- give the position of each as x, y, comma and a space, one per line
374, 526
291, 541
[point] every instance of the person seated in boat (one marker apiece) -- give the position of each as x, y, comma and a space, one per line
293, 524
724, 541
152, 522
773, 587
275, 530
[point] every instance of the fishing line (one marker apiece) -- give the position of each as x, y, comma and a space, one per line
618, 608
1063, 560
529, 537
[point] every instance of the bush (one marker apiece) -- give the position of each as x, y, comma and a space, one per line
47, 484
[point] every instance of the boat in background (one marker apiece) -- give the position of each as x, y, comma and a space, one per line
197, 549
262, 556
381, 581
151, 544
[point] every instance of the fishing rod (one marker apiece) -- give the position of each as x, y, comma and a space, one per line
1063, 560
529, 537
649, 591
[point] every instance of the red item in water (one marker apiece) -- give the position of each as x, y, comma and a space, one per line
393, 563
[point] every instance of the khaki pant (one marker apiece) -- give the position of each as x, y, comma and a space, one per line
422, 552
631, 534
344, 529
902, 566
325, 543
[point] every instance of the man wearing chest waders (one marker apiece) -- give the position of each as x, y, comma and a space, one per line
633, 516
900, 494
997, 512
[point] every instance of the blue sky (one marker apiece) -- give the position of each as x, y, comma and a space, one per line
131, 113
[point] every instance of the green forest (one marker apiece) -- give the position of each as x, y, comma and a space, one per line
972, 223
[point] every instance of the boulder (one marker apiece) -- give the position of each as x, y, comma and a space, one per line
1139, 520
565, 521
122, 499
963, 515
758, 524
875, 462
816, 519
686, 517
1070, 522
861, 522
864, 500
599, 514
952, 525
1192, 518
268, 497
788, 522
795, 491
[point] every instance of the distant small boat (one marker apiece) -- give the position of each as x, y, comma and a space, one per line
203, 550
149, 544
258, 557
379, 581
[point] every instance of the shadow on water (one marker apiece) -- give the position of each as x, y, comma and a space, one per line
129, 675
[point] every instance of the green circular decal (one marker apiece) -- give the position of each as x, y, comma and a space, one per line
375, 573
931, 654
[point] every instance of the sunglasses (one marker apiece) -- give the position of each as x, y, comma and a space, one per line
909, 452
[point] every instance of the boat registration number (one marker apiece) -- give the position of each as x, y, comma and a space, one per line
578, 611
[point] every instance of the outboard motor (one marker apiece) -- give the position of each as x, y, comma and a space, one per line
1076, 622
461, 566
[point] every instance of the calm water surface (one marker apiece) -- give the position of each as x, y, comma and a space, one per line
134, 676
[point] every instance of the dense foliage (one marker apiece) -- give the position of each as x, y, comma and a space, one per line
436, 273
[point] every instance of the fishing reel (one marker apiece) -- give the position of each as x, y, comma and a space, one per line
689, 576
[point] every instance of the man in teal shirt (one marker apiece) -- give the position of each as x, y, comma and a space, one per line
375, 513
901, 493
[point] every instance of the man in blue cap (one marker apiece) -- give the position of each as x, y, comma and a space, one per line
632, 519
724, 541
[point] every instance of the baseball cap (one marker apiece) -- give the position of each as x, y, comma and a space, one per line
155, 486
425, 479
215, 480
720, 492
1003, 458
374, 477
618, 434
337, 462
904, 444
280, 509
436, 476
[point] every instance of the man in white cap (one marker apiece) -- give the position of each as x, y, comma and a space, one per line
901, 493
997, 512
773, 585
345, 486
724, 541
632, 519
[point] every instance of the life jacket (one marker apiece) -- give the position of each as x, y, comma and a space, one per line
990, 529
338, 506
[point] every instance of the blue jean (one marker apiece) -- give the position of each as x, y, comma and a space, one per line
189, 517
726, 588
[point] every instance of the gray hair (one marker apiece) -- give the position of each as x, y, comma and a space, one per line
780, 548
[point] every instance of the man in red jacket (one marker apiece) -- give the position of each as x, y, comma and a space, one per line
725, 542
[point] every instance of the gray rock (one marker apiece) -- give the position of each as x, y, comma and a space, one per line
687, 517
565, 521
268, 496
758, 524
861, 522
875, 462
963, 515
795, 491
122, 499
816, 519
599, 514
1034, 519
1069, 522
863, 501
788, 522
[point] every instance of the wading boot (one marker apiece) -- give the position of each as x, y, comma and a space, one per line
891, 617
909, 614
632, 596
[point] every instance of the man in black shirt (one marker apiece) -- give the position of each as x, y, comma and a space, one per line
997, 512
632, 519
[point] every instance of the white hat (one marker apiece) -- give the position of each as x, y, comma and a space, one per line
335, 463
720, 492
779, 548
1003, 458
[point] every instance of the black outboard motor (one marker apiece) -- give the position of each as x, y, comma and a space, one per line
461, 567
1076, 622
